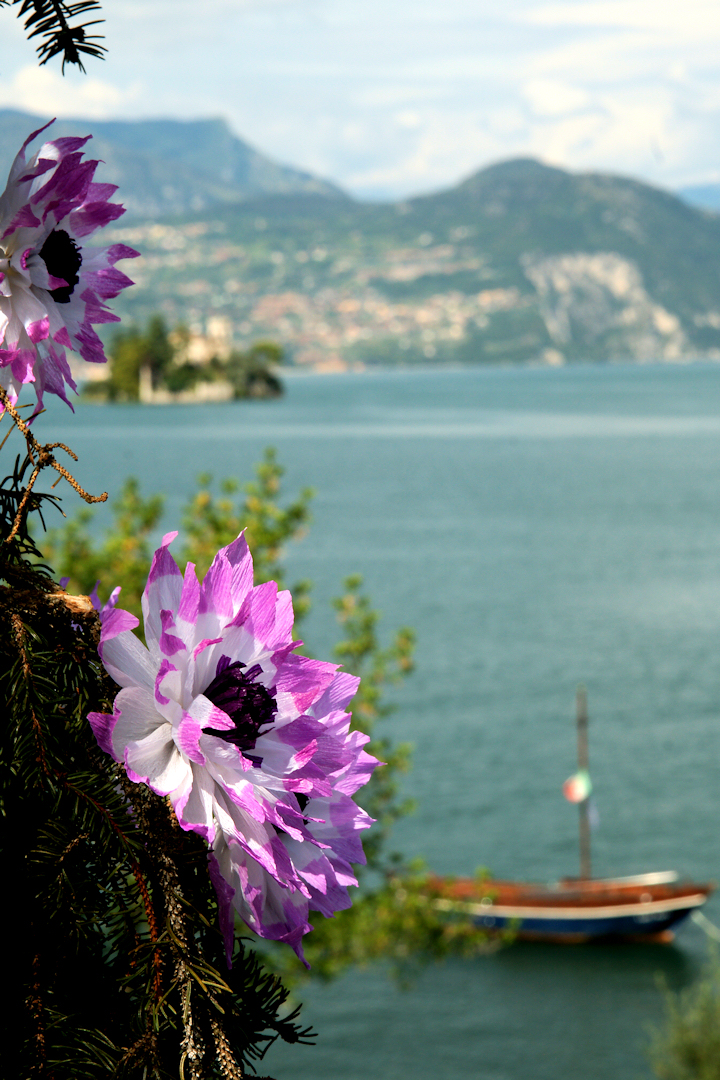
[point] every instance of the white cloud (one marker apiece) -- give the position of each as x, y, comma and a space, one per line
551, 97
395, 98
691, 19
395, 93
630, 86
444, 149
44, 91
408, 118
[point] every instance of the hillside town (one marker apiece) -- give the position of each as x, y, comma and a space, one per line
342, 306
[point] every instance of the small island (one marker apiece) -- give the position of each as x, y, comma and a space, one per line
156, 366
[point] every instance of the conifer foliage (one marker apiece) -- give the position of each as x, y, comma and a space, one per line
62, 28
120, 968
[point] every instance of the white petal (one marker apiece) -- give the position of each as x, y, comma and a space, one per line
138, 718
157, 758
128, 662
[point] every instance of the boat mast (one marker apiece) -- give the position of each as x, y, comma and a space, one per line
583, 766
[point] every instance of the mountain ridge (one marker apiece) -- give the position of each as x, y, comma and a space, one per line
167, 166
520, 261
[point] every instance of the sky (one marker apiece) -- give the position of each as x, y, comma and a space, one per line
391, 98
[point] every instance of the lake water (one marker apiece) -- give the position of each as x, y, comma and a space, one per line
538, 528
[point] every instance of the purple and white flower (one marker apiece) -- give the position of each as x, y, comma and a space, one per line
52, 288
248, 739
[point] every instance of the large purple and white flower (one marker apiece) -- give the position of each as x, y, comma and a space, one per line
52, 288
248, 739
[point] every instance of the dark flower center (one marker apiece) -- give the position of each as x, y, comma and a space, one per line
62, 257
249, 704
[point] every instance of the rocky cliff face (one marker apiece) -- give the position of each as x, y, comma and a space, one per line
597, 303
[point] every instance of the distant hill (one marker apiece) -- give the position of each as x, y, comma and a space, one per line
519, 262
170, 166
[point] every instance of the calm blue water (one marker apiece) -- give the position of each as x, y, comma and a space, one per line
538, 528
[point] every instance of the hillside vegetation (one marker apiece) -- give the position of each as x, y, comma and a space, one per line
520, 262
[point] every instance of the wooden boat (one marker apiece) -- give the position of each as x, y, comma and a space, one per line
643, 907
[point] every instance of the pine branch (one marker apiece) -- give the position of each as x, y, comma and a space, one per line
51, 19
121, 955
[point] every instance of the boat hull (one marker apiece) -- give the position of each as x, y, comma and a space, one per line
559, 927
648, 907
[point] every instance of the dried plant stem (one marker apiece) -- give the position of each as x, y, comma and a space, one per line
153, 928
226, 1059
193, 1047
41, 457
200, 1011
